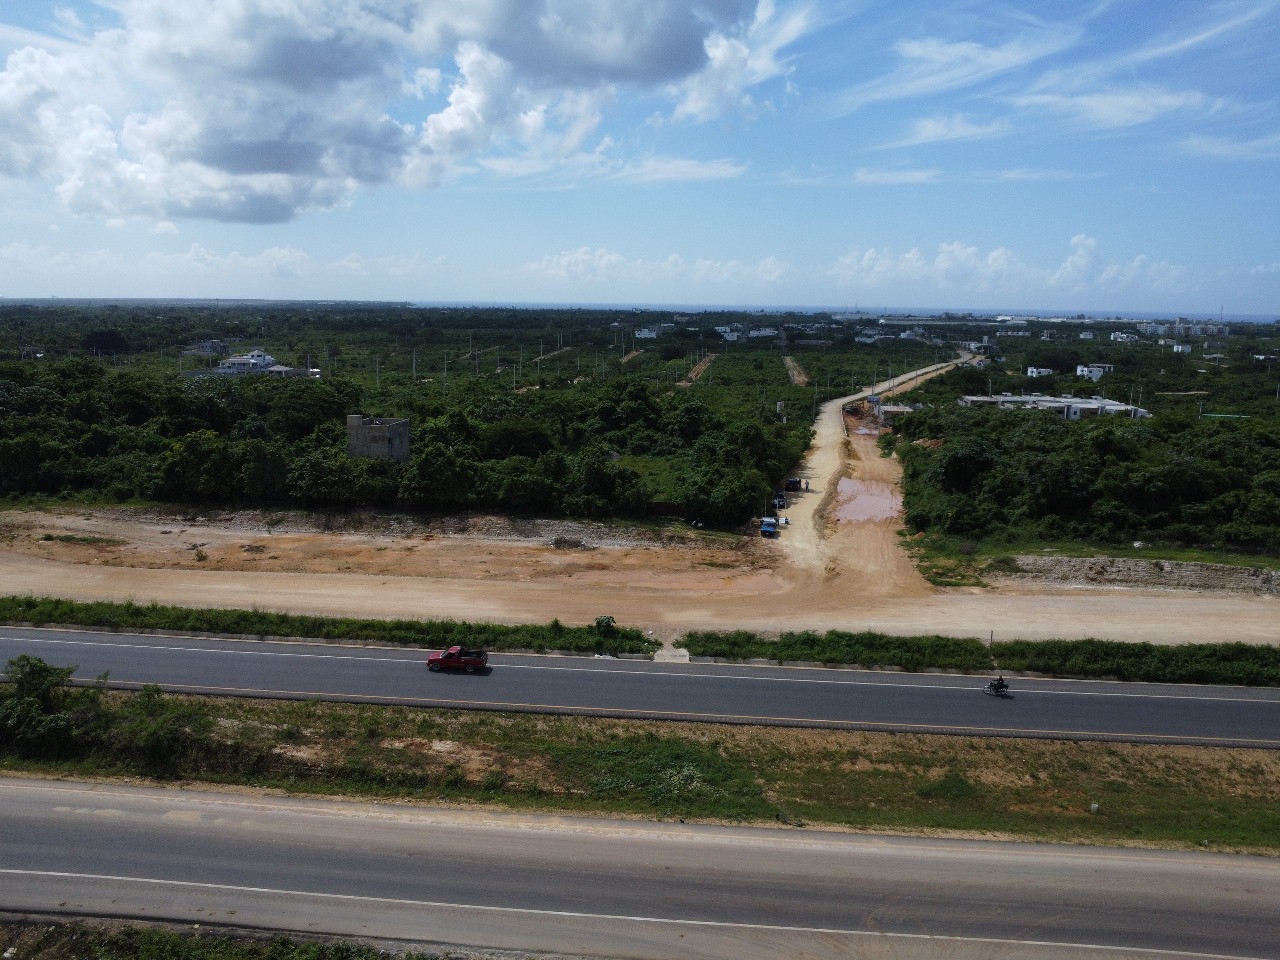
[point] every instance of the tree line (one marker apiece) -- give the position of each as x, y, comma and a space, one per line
79, 428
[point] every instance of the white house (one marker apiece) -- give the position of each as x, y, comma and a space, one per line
1039, 372
255, 361
1094, 371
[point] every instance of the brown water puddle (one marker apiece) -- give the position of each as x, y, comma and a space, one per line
866, 500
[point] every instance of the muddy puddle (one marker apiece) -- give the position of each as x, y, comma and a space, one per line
866, 500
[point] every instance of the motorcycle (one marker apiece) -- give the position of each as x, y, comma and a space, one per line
997, 688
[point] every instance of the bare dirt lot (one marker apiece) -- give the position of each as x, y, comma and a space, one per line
838, 564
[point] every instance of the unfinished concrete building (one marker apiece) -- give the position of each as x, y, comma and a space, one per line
378, 437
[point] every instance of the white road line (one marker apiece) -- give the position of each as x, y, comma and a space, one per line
574, 915
418, 658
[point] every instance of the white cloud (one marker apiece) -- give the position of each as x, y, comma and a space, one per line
896, 177
679, 170
256, 110
582, 264
735, 64
932, 65
770, 270
199, 261
1117, 108
600, 266
1259, 148
1145, 274
955, 127
959, 269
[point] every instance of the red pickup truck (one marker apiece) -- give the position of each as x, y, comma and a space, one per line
458, 658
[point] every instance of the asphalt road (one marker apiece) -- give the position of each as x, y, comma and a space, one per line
709, 692
612, 888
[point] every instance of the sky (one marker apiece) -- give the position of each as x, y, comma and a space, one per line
1092, 156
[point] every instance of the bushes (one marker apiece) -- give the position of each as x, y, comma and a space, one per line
838, 647
419, 633
1220, 663
1210, 663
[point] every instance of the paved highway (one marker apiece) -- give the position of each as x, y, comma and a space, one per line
613, 888
712, 692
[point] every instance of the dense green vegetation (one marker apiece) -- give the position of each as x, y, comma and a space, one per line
603, 636
70, 941
1027, 788
1225, 663
1202, 471
840, 647
535, 411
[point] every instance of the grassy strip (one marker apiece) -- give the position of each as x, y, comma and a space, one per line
952, 561
839, 647
1147, 794
106, 940
1222, 663
603, 637
1228, 663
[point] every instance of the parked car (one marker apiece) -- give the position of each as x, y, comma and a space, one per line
780, 501
769, 527
792, 484
458, 658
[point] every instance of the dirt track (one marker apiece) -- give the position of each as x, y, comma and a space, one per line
824, 572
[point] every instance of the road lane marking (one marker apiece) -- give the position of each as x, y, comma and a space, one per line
417, 658
812, 722
576, 915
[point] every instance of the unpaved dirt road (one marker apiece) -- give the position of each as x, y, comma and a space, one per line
824, 572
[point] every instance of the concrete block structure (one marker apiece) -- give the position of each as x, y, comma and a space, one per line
378, 437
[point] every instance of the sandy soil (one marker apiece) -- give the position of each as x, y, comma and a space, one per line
838, 564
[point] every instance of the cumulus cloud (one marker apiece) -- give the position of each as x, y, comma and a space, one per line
607, 266
255, 110
737, 63
959, 268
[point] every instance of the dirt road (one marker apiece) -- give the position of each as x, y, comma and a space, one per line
838, 564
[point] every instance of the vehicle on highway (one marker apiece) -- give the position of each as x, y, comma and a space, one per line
458, 658
998, 687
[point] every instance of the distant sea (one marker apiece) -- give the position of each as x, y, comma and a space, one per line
872, 311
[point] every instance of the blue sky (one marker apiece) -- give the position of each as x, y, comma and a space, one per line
1118, 155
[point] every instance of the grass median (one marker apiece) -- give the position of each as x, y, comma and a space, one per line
1029, 789
1239, 664
1212, 663
603, 636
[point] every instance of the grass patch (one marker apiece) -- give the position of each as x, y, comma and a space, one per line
113, 940
433, 634
1237, 664
83, 539
950, 561
1147, 794
840, 647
